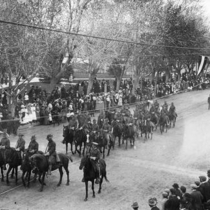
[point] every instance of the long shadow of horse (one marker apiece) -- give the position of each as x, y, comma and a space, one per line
90, 174
41, 163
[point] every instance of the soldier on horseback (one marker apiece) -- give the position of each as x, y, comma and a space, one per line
4, 144
172, 110
101, 118
33, 146
107, 128
95, 157
95, 127
20, 146
51, 152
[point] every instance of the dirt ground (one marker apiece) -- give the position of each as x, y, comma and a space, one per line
180, 155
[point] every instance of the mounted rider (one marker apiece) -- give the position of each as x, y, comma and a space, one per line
172, 110
20, 145
4, 145
95, 127
165, 106
107, 129
33, 146
101, 118
73, 123
95, 157
51, 152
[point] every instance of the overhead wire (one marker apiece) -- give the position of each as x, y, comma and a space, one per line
97, 37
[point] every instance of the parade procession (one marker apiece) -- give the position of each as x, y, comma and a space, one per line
104, 104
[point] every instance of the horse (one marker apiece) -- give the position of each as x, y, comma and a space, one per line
90, 174
117, 132
154, 120
147, 128
79, 139
172, 119
13, 159
128, 133
27, 167
2, 166
104, 143
40, 162
163, 122
68, 135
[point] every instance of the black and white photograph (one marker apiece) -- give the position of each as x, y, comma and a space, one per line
104, 104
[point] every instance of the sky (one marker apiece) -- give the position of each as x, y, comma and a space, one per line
206, 4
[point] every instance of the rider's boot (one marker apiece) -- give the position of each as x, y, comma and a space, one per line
49, 170
83, 179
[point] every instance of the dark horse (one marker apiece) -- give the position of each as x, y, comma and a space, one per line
1, 166
117, 132
68, 135
90, 174
80, 139
172, 118
147, 128
128, 133
27, 167
14, 160
163, 122
40, 162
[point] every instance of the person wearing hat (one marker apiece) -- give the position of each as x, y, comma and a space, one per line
95, 157
135, 206
107, 129
4, 145
20, 145
51, 152
95, 127
206, 188
197, 197
101, 118
153, 204
202, 183
177, 191
173, 201
33, 146
164, 199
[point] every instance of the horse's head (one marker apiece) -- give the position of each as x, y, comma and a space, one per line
83, 162
65, 131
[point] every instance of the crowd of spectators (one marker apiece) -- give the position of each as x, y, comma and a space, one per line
179, 198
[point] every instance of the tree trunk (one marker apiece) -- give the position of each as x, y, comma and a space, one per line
118, 83
90, 83
52, 85
135, 84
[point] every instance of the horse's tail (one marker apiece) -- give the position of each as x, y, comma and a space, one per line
70, 158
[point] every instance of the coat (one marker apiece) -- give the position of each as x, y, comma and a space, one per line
51, 147
5, 142
172, 203
33, 145
206, 190
21, 144
197, 200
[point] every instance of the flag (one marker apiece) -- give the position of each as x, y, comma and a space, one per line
202, 64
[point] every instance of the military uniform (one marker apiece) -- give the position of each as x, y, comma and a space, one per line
20, 146
95, 157
95, 127
33, 147
101, 118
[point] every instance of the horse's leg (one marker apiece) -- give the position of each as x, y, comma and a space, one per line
61, 176
104, 147
42, 182
12, 174
10, 168
67, 173
93, 189
72, 148
29, 177
84, 148
80, 149
100, 184
66, 147
23, 178
16, 175
86, 190
2, 174
109, 148
126, 147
